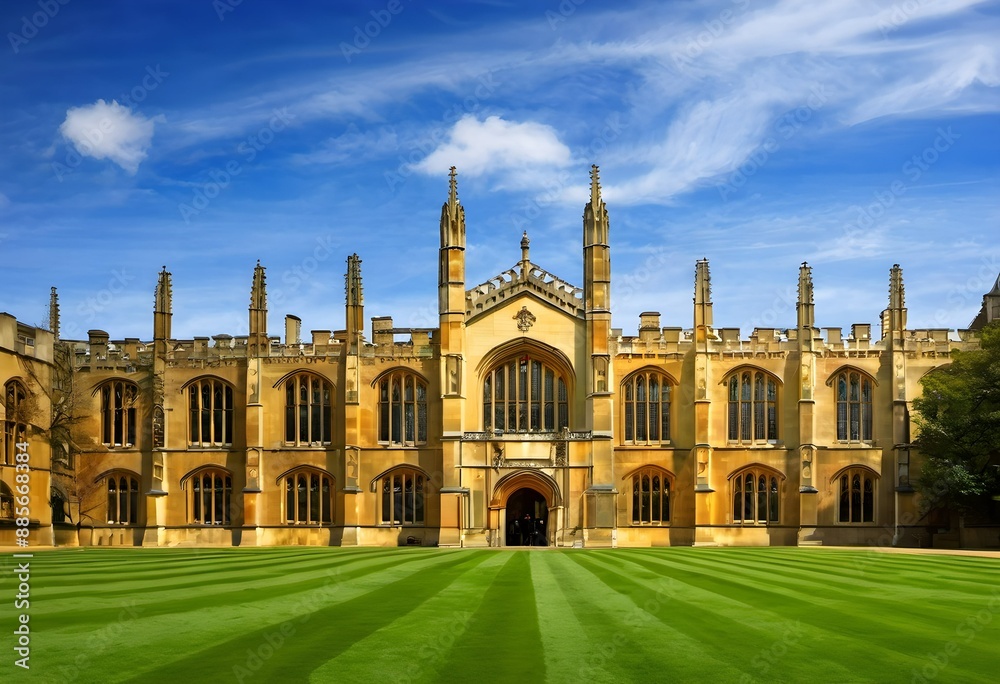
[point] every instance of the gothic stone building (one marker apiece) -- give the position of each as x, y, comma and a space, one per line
522, 406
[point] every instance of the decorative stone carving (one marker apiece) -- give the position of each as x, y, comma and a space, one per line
525, 319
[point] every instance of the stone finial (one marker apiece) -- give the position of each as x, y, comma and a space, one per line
595, 186
354, 288
163, 295
702, 282
805, 284
258, 291
897, 296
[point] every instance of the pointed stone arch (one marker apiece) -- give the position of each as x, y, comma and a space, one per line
531, 479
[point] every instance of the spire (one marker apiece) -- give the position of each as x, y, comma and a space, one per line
595, 214
164, 293
54, 313
894, 317
702, 283
452, 190
595, 186
355, 303
702, 301
452, 215
258, 291
162, 306
807, 316
355, 291
257, 342
451, 256
896, 295
525, 259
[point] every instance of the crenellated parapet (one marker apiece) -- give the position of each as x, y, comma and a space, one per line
523, 278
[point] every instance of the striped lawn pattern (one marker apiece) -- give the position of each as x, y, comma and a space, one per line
429, 615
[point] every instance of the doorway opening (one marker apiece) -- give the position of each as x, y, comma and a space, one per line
527, 518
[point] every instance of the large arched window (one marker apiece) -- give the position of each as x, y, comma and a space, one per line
308, 497
857, 487
308, 419
756, 496
753, 407
525, 395
402, 409
118, 413
209, 495
15, 421
210, 403
650, 497
123, 499
402, 497
646, 396
854, 406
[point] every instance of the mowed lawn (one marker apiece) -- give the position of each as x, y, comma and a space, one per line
430, 615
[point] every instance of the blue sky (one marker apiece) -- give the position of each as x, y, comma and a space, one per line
852, 134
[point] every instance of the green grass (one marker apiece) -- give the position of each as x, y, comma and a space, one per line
428, 615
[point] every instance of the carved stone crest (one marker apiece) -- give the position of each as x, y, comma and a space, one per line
525, 319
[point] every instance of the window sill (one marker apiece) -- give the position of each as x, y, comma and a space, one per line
313, 445
393, 445
214, 447
393, 526
869, 523
763, 444
640, 526
647, 445
314, 526
773, 523
855, 443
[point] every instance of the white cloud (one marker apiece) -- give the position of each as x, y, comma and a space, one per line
496, 146
109, 131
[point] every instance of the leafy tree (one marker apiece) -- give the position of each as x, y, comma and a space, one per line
958, 415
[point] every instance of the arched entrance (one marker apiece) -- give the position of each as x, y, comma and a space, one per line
520, 493
527, 518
